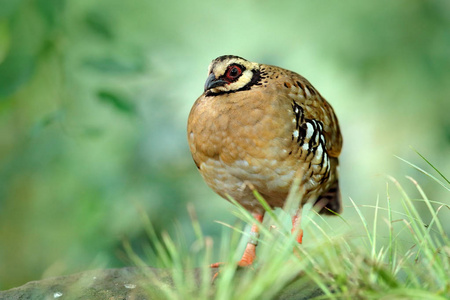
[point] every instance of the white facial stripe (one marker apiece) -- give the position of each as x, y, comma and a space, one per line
221, 67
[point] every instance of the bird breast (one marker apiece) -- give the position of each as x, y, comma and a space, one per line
235, 140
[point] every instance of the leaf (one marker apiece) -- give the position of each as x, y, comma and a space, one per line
15, 71
49, 119
100, 25
111, 65
51, 10
117, 102
9, 7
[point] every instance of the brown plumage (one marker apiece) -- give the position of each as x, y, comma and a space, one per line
263, 125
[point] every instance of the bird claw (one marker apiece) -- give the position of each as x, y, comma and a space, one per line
216, 265
243, 263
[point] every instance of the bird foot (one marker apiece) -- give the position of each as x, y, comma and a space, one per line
245, 262
242, 263
213, 266
216, 265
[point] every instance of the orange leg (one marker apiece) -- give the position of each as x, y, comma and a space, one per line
250, 250
296, 223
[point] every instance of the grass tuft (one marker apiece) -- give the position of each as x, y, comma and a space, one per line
399, 254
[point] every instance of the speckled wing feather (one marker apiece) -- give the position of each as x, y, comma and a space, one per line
315, 107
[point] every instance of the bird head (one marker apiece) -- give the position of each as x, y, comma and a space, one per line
229, 74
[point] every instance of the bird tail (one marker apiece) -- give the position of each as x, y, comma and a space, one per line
332, 198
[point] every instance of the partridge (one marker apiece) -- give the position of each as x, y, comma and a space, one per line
262, 126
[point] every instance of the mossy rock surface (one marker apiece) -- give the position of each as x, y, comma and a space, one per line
125, 283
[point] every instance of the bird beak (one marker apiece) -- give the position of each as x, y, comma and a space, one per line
212, 82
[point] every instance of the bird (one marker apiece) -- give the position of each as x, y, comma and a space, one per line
259, 127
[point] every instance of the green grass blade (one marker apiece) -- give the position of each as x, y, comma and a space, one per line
374, 234
424, 172
364, 222
431, 165
196, 225
430, 208
391, 229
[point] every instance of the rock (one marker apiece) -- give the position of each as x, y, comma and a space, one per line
125, 283
111, 284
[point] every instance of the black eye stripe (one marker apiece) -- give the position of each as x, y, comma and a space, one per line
255, 81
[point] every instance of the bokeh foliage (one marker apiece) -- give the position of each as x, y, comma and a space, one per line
94, 98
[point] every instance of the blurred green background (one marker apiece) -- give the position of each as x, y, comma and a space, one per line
94, 99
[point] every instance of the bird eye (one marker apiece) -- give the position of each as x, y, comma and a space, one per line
233, 72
